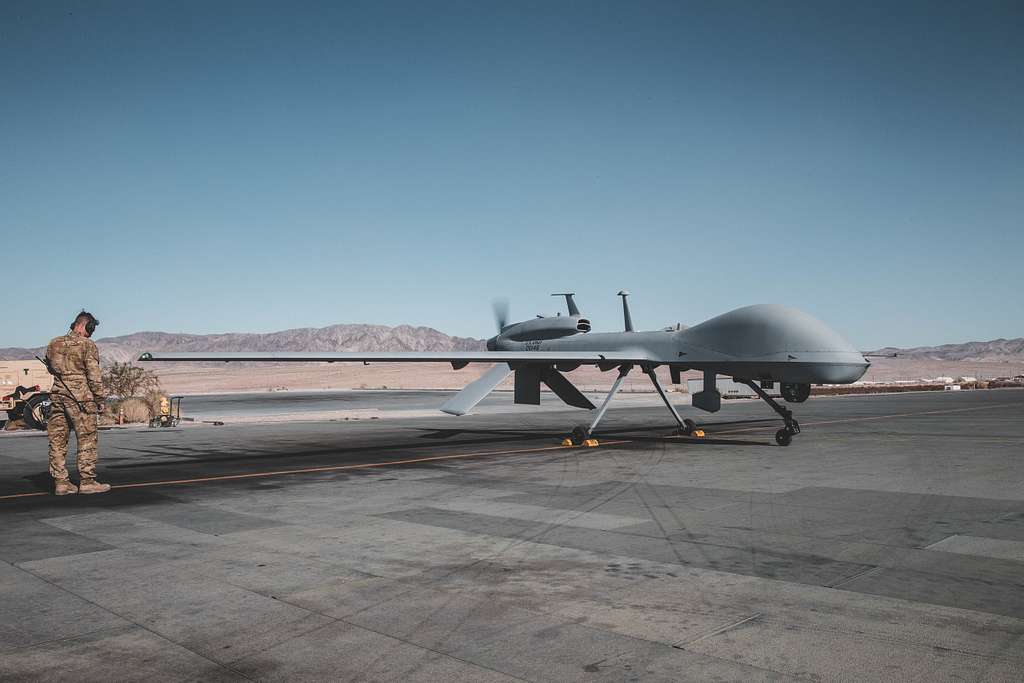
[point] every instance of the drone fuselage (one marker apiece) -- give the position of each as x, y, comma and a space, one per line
763, 342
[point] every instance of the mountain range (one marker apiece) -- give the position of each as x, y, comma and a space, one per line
332, 338
975, 351
358, 337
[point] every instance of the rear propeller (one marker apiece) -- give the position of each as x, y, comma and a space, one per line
500, 313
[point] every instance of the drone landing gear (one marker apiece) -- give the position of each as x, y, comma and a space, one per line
583, 436
784, 436
686, 427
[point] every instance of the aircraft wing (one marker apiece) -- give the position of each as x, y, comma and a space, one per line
454, 357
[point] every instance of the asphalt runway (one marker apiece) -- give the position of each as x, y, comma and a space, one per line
220, 406
887, 543
323, 403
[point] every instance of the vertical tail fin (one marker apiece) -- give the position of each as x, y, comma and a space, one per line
627, 319
569, 302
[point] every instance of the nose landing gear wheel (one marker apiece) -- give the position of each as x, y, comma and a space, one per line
783, 437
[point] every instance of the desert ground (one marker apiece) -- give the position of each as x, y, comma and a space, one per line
182, 378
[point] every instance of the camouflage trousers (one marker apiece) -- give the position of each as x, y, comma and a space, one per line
66, 415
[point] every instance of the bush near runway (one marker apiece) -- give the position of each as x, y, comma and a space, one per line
874, 389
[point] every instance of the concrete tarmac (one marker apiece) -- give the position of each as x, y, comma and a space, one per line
887, 543
365, 403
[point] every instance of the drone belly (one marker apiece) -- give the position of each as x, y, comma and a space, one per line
833, 370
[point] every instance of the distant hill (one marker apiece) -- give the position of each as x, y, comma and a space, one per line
995, 350
332, 338
408, 338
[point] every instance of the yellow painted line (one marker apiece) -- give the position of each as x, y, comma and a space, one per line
327, 468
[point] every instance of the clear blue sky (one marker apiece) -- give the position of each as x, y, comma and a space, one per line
217, 166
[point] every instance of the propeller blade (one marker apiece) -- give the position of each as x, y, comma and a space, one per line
500, 313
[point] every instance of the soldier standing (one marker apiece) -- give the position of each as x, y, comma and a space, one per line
77, 396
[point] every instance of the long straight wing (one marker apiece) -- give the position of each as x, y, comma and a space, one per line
581, 357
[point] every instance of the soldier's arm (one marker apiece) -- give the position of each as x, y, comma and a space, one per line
93, 374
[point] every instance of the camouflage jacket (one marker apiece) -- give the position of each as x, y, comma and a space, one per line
76, 360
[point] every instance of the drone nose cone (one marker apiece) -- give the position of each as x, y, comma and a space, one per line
768, 328
770, 332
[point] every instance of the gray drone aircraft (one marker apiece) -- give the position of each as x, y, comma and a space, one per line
755, 345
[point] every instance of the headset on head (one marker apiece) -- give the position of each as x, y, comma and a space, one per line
90, 324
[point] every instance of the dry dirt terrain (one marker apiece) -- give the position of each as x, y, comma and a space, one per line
193, 379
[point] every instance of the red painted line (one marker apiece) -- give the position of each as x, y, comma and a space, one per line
477, 454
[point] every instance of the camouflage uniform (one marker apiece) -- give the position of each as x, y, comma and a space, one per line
77, 361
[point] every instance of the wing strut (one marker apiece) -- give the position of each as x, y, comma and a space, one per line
661, 392
582, 434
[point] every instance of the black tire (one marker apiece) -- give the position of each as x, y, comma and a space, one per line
37, 411
795, 393
783, 437
688, 427
579, 435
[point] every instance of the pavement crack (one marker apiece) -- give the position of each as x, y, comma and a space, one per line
853, 577
718, 631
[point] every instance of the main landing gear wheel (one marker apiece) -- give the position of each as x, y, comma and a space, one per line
579, 435
783, 437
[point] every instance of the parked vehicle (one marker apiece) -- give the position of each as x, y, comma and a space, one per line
25, 393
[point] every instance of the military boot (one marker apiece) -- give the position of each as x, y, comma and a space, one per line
92, 486
63, 487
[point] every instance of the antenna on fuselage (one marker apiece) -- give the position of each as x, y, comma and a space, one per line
627, 319
569, 302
